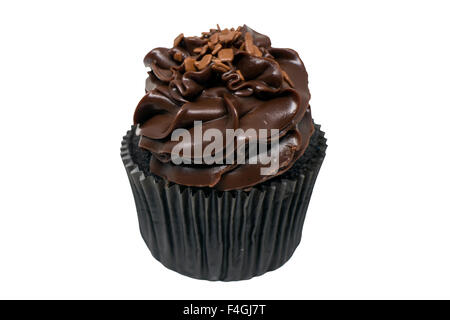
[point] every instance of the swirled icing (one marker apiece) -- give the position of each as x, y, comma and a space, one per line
261, 88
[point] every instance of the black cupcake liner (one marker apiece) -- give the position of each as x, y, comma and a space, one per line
224, 235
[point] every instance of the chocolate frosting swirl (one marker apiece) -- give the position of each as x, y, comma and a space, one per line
228, 79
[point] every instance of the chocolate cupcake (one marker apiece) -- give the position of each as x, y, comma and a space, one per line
223, 154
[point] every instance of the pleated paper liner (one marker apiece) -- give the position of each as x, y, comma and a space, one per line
223, 235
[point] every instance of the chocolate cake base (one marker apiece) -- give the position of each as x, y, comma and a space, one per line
222, 235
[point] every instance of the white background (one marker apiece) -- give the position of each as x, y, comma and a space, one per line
71, 74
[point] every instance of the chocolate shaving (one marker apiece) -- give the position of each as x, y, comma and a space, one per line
216, 49
250, 47
177, 56
286, 77
256, 51
219, 66
240, 75
204, 49
178, 39
214, 38
226, 36
237, 35
248, 42
202, 64
189, 64
201, 50
226, 54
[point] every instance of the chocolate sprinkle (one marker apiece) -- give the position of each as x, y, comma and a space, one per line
177, 56
189, 64
226, 54
240, 75
216, 49
202, 64
178, 39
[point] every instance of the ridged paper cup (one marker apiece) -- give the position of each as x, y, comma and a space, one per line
223, 235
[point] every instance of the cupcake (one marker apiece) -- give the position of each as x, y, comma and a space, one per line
223, 154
